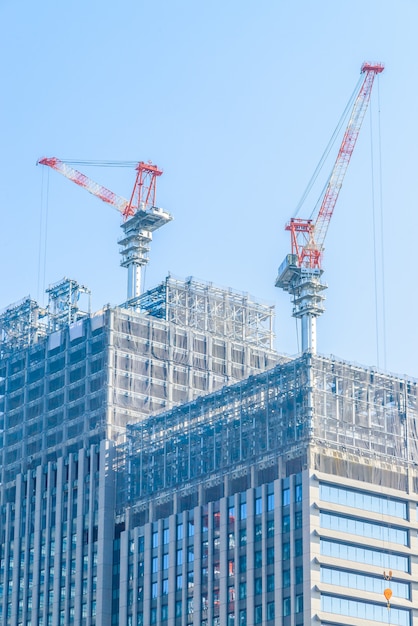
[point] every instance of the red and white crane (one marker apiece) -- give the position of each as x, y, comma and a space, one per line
301, 271
140, 215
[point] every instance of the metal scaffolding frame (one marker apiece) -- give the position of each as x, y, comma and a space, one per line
309, 407
204, 307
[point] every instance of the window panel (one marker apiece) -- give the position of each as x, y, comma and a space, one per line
364, 528
364, 501
365, 610
375, 584
364, 555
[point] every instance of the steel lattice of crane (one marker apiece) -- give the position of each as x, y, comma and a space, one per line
143, 194
300, 272
140, 215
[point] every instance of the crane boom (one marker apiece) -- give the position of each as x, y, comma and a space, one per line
141, 216
84, 181
307, 236
346, 150
301, 271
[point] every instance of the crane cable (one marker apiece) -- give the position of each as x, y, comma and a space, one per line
98, 163
378, 233
43, 237
326, 152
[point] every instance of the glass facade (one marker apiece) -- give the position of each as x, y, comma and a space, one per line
365, 610
363, 500
364, 582
364, 528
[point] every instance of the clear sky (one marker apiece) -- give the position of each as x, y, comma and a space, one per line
235, 100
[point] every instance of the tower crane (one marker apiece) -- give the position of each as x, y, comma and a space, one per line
140, 215
301, 271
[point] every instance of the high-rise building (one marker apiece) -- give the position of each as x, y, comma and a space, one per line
165, 466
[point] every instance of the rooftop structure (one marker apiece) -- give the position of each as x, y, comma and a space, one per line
70, 378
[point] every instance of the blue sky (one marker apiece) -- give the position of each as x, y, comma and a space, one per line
236, 101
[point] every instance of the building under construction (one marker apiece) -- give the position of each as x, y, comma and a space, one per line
161, 464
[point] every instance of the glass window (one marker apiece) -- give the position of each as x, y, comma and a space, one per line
258, 532
298, 519
270, 582
164, 612
190, 554
298, 493
179, 532
165, 586
166, 536
270, 528
258, 614
231, 514
286, 551
365, 610
286, 607
231, 541
270, 610
243, 510
258, 585
243, 617
243, 563
286, 523
165, 561
179, 582
155, 540
298, 547
154, 590
285, 497
243, 536
258, 559
242, 591
154, 564
270, 502
179, 611
351, 552
363, 500
190, 529
286, 578
299, 603
179, 558
153, 616
190, 580
364, 582
204, 550
270, 555
258, 506
364, 528
299, 575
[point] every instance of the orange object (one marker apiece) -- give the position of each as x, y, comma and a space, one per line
388, 594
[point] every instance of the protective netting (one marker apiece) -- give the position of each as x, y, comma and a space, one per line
356, 422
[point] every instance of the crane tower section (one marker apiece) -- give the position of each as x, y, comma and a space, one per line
140, 215
301, 271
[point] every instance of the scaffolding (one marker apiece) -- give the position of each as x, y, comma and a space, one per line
334, 415
87, 376
24, 323
204, 307
64, 303
21, 325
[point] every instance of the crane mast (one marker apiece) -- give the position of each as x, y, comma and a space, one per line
301, 271
140, 215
